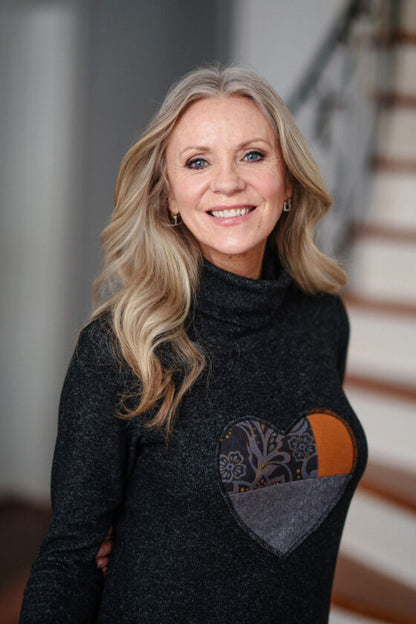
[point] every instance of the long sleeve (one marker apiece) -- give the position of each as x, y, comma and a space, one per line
88, 481
343, 339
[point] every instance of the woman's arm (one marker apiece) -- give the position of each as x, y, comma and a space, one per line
343, 338
88, 482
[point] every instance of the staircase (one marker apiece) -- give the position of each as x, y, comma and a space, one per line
376, 572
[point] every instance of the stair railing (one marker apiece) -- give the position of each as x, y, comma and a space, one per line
335, 107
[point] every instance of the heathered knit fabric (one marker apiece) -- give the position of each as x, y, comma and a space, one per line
184, 552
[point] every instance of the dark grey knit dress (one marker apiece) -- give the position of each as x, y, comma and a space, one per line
239, 519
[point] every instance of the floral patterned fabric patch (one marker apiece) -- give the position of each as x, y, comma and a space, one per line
281, 486
254, 455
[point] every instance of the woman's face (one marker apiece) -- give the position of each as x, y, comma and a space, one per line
227, 180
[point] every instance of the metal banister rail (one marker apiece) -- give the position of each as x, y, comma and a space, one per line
337, 35
335, 107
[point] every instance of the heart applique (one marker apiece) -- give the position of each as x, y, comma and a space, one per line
281, 487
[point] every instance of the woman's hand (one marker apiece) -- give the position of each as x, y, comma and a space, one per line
103, 556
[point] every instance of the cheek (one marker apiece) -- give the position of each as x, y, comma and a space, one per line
186, 194
269, 182
273, 190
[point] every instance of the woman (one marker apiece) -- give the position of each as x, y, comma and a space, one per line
219, 344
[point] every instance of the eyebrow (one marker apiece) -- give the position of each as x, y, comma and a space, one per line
194, 148
205, 148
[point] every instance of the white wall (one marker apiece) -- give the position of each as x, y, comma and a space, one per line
278, 38
41, 150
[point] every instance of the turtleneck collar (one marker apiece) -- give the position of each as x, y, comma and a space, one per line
241, 301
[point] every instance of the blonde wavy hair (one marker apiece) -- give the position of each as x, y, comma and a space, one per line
151, 268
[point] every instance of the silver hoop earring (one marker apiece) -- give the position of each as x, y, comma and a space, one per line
287, 205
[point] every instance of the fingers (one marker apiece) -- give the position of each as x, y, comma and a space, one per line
103, 566
102, 563
105, 549
104, 553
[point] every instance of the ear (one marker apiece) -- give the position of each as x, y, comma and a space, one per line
288, 185
172, 206
169, 201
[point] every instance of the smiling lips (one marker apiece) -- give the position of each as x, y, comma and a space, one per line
228, 213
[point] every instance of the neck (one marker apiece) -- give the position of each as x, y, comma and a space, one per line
230, 304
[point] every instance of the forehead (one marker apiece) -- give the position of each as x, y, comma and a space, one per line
225, 117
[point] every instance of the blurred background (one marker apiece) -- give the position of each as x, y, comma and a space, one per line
79, 80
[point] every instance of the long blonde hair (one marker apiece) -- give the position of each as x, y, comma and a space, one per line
151, 269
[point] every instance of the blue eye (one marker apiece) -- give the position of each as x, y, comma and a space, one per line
254, 156
196, 163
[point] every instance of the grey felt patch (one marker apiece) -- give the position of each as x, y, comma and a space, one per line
283, 515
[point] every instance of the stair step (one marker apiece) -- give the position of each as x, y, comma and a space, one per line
365, 590
396, 100
395, 485
404, 78
398, 308
371, 230
342, 616
400, 55
381, 387
380, 162
391, 201
382, 348
384, 267
382, 537
389, 423
401, 37
397, 131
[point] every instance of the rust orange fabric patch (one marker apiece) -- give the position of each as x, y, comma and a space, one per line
335, 443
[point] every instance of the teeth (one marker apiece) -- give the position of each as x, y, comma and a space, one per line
233, 212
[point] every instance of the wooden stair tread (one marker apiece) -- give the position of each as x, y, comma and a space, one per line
360, 589
384, 387
403, 37
400, 37
371, 230
392, 484
393, 99
385, 163
383, 306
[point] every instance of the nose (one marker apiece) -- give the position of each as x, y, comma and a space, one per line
227, 179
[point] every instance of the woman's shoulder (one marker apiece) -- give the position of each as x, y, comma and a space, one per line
97, 344
326, 310
323, 302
